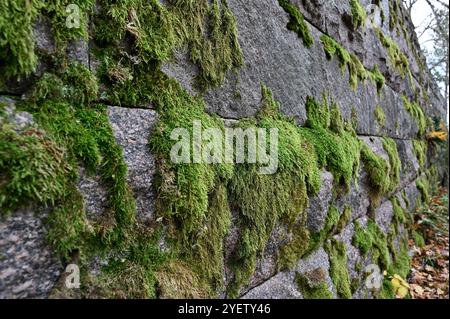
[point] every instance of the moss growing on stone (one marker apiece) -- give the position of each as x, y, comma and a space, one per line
338, 268
264, 200
313, 288
208, 30
357, 71
297, 23
361, 239
418, 238
359, 14
337, 148
32, 165
344, 219
420, 150
417, 113
16, 37
380, 116
390, 147
377, 77
399, 214
377, 172
397, 58
317, 239
423, 187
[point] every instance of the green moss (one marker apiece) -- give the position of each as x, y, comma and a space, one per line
397, 58
359, 14
387, 290
292, 252
357, 71
16, 37
390, 147
313, 289
406, 199
17, 44
338, 268
377, 172
377, 77
401, 264
344, 220
417, 113
332, 219
399, 214
33, 168
380, 116
418, 238
337, 149
362, 239
264, 200
208, 30
423, 187
420, 150
297, 22
372, 239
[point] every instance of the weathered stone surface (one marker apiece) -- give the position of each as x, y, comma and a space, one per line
28, 266
132, 129
293, 72
319, 205
281, 286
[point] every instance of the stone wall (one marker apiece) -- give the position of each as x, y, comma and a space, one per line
275, 56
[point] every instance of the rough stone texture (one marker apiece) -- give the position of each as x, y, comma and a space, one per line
28, 266
319, 205
132, 129
294, 72
283, 286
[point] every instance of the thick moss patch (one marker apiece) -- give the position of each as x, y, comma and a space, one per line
359, 14
338, 268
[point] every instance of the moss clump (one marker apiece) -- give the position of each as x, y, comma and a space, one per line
417, 113
423, 187
418, 238
207, 29
357, 71
380, 116
292, 252
377, 77
390, 147
264, 200
176, 280
134, 273
359, 14
337, 148
16, 37
399, 214
297, 22
377, 172
420, 150
361, 239
397, 58
313, 285
372, 239
32, 167
338, 268
17, 46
